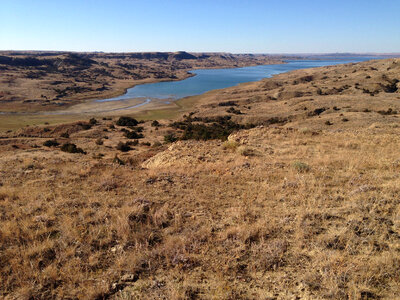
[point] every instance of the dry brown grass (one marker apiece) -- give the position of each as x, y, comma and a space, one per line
314, 213
233, 227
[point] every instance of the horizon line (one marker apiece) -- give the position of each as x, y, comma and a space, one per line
256, 53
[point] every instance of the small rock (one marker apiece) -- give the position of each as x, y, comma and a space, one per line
41, 218
151, 180
129, 278
142, 201
116, 248
363, 188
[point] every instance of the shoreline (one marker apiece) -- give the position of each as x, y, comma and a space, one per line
188, 75
122, 91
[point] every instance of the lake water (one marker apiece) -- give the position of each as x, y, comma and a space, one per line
211, 79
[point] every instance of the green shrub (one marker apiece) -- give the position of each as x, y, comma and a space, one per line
209, 132
98, 155
227, 103
387, 112
232, 110
156, 144
127, 121
245, 151
276, 120
85, 126
208, 128
230, 145
301, 167
305, 130
133, 135
133, 143
316, 112
71, 148
123, 147
118, 161
170, 138
51, 143
155, 123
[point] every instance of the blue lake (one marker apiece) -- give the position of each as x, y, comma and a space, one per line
211, 79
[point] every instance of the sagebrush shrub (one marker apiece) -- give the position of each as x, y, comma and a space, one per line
301, 167
72, 148
51, 143
127, 121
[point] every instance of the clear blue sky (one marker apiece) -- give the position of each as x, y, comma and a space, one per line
251, 26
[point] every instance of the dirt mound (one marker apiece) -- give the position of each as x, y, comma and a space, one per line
183, 154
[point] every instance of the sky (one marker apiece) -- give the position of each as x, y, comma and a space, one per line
246, 26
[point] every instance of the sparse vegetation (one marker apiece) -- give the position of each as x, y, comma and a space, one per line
245, 151
133, 143
118, 161
232, 110
156, 144
227, 103
387, 112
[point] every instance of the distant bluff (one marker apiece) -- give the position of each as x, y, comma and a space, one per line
164, 55
180, 55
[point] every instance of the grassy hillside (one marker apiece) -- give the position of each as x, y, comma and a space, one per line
285, 188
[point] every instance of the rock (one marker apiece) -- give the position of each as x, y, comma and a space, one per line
116, 248
129, 277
